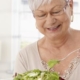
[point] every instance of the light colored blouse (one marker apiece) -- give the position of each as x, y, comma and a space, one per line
29, 59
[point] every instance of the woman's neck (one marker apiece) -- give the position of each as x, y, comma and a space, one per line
57, 43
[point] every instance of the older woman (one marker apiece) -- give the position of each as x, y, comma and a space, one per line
60, 42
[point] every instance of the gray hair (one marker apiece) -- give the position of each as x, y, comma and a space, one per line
35, 4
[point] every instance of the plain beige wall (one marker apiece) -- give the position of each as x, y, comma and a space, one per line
5, 29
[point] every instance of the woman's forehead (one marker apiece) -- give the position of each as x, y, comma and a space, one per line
53, 4
56, 2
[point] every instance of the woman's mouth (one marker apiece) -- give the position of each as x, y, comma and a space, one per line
52, 29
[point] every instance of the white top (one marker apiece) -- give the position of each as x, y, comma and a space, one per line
29, 59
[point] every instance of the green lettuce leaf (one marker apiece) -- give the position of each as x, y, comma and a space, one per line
37, 74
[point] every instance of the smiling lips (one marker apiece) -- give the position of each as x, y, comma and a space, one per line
53, 28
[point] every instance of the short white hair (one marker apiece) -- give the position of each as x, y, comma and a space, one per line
35, 4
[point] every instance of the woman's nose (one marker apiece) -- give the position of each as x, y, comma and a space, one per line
50, 19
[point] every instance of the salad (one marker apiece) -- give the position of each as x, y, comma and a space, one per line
37, 74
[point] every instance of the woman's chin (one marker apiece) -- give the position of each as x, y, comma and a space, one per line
54, 35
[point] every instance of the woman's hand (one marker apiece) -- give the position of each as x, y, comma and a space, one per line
61, 78
15, 75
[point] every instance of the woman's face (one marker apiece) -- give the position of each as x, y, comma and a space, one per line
53, 20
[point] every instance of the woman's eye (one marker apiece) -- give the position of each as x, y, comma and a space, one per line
42, 15
56, 12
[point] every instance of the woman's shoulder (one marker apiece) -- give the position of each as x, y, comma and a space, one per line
28, 51
29, 47
76, 32
76, 35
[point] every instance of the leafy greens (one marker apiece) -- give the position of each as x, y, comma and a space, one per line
37, 74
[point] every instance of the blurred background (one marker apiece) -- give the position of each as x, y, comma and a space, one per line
17, 29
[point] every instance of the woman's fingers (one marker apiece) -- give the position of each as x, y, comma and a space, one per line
15, 75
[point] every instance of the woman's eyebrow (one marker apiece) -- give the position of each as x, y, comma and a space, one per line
56, 6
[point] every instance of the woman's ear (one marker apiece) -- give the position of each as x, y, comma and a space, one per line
71, 3
71, 6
